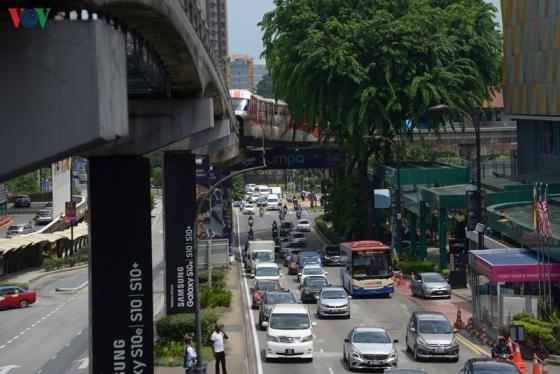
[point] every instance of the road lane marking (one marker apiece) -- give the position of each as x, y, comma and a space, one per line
84, 363
331, 371
251, 317
473, 347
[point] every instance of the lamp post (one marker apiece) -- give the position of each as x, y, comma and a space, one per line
398, 204
475, 118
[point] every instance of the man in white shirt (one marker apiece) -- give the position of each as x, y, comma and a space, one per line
217, 339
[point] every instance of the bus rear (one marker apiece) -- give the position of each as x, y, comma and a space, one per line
367, 268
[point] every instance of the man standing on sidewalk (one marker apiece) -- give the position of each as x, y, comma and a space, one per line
217, 339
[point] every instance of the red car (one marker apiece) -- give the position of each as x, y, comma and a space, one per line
260, 289
16, 297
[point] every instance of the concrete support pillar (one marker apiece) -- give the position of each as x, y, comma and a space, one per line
121, 298
412, 234
442, 231
422, 229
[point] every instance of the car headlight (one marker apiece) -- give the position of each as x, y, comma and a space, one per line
355, 354
307, 338
421, 341
454, 342
393, 354
271, 338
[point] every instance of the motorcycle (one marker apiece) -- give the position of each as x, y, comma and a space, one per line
251, 234
298, 214
274, 233
261, 212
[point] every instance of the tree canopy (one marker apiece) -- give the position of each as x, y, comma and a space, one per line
264, 87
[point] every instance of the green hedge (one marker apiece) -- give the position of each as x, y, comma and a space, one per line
538, 331
327, 232
217, 275
215, 297
176, 326
408, 267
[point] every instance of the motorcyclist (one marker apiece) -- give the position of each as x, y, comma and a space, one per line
274, 224
250, 221
261, 211
502, 349
285, 209
251, 234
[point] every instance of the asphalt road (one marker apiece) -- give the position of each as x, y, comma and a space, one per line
20, 218
52, 336
391, 314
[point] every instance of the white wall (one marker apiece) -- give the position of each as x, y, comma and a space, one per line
61, 172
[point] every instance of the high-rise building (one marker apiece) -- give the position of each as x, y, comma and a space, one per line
259, 70
216, 18
239, 72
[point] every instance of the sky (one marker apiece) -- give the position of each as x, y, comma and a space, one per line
245, 37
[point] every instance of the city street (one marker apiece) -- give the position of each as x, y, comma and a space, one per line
391, 314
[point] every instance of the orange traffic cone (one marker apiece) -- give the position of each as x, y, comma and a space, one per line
517, 360
536, 369
459, 322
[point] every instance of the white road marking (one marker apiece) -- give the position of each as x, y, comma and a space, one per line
331, 371
155, 220
253, 329
321, 350
5, 369
84, 363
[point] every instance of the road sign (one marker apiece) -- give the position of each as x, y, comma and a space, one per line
70, 212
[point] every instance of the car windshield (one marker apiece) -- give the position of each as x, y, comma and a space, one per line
315, 282
313, 271
289, 321
286, 225
370, 267
249, 206
495, 368
13, 228
240, 104
266, 271
263, 256
432, 278
371, 337
267, 286
435, 327
280, 298
309, 260
298, 236
333, 294
304, 222
332, 251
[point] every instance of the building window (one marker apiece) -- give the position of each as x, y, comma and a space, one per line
498, 116
488, 115
547, 137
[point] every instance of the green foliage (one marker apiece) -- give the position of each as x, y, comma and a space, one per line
69, 261
215, 297
446, 272
327, 232
16, 284
170, 353
347, 207
408, 266
51, 264
156, 178
82, 258
541, 334
176, 326
264, 87
217, 275
237, 187
24, 184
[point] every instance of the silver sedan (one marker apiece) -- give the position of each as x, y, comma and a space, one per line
369, 347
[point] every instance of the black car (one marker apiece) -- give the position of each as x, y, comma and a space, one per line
286, 228
22, 201
311, 287
330, 254
487, 365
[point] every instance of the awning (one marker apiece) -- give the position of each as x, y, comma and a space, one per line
516, 265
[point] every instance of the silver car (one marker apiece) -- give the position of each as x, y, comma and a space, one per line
430, 335
430, 285
369, 347
333, 301
16, 230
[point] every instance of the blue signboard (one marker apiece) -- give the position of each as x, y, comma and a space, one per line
300, 158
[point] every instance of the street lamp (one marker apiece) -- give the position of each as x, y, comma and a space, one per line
475, 118
398, 205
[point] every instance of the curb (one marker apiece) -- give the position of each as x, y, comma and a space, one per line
56, 272
461, 297
64, 289
319, 234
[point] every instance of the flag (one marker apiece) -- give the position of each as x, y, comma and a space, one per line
535, 206
544, 226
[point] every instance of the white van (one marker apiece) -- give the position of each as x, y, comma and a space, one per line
277, 191
267, 271
289, 333
263, 190
260, 256
272, 201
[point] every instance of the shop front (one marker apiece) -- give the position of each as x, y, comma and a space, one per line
505, 282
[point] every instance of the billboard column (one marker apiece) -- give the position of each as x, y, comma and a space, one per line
179, 206
121, 297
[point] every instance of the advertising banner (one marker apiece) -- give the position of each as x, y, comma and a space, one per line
300, 158
180, 207
211, 222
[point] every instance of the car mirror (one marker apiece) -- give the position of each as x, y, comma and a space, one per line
329, 284
396, 341
346, 340
412, 329
313, 324
455, 331
419, 280
317, 297
349, 296
265, 324
251, 275
326, 272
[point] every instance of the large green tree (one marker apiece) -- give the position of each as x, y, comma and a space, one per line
264, 87
363, 67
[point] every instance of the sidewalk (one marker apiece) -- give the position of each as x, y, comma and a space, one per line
30, 275
232, 319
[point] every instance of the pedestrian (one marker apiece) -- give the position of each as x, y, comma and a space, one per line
189, 359
217, 339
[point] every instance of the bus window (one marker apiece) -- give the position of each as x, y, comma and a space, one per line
370, 267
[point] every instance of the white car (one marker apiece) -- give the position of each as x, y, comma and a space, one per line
249, 209
309, 270
303, 225
268, 271
295, 236
289, 333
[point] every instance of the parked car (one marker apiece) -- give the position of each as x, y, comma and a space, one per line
260, 289
44, 216
16, 230
369, 347
285, 228
488, 365
22, 201
330, 254
297, 237
333, 301
270, 299
303, 225
267, 270
428, 285
311, 287
430, 334
289, 333
16, 297
309, 270
249, 209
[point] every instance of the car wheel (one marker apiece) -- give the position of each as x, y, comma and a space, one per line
407, 347
344, 355
416, 358
319, 316
23, 303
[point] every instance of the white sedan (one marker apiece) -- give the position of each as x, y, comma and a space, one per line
309, 270
303, 225
249, 209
